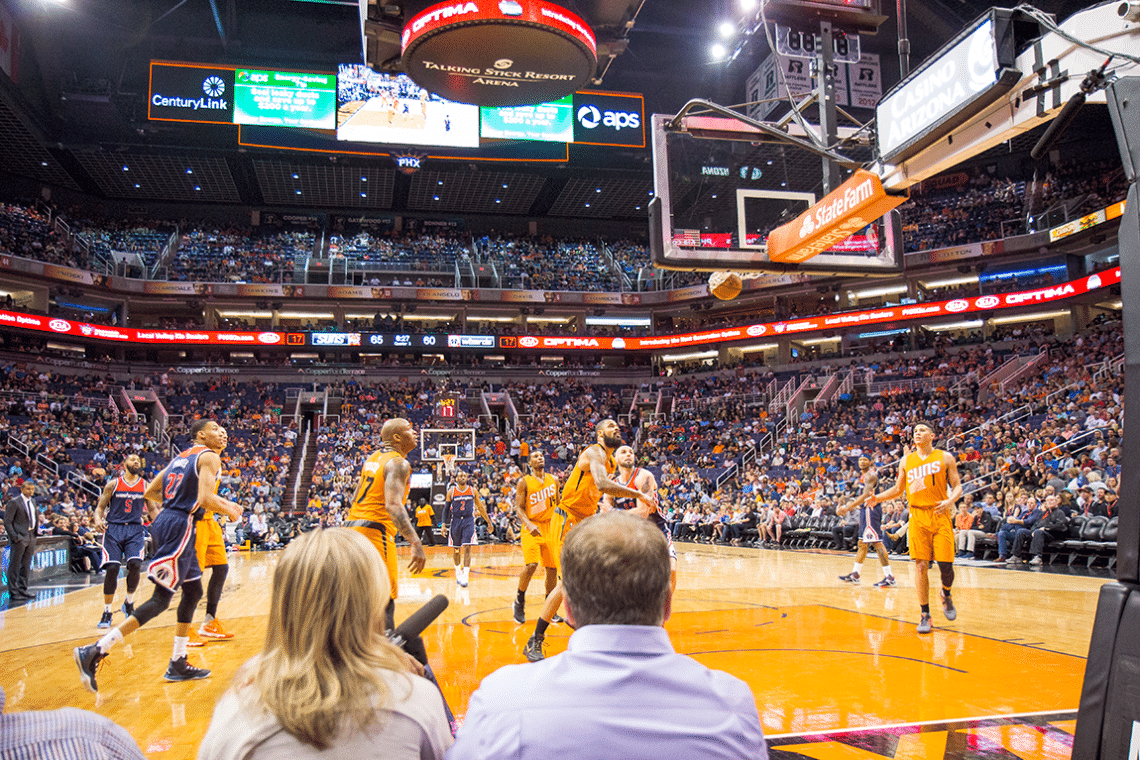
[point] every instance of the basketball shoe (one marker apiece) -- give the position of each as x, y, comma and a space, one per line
88, 659
213, 629
948, 607
887, 582
182, 670
850, 578
533, 649
924, 625
105, 621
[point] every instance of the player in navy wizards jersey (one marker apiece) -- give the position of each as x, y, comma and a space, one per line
459, 522
640, 479
870, 527
189, 483
120, 515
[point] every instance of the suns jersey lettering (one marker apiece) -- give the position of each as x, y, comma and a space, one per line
926, 479
540, 497
580, 495
369, 503
127, 503
180, 481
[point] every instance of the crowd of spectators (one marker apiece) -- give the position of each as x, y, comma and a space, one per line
239, 254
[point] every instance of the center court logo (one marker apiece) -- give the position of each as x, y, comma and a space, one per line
214, 87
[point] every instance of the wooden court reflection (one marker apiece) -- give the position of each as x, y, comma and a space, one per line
819, 655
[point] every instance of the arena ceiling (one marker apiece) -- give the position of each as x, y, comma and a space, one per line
79, 114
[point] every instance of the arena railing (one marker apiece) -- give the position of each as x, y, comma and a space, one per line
1065, 447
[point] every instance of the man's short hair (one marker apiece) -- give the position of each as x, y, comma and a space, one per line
198, 426
615, 571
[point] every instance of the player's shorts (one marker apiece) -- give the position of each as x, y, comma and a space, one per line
560, 525
536, 549
930, 536
123, 542
871, 524
384, 539
659, 521
210, 543
461, 532
174, 560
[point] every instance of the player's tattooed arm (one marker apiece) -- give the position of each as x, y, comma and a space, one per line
396, 474
104, 501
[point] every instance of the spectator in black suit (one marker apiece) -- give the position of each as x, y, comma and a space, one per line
20, 517
1054, 524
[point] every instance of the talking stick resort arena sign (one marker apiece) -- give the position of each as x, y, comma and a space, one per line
499, 52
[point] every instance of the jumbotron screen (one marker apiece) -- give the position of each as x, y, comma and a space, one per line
376, 107
284, 99
544, 122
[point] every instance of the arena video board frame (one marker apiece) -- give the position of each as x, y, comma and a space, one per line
434, 342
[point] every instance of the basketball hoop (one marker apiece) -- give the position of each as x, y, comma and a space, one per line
449, 464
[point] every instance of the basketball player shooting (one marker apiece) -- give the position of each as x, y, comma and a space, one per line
929, 477
870, 527
591, 477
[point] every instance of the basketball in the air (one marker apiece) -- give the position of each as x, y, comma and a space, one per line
725, 285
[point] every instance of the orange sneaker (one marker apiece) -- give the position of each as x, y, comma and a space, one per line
214, 630
195, 640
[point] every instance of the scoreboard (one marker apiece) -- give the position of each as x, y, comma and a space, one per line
447, 409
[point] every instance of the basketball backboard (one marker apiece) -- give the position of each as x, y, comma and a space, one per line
435, 442
720, 190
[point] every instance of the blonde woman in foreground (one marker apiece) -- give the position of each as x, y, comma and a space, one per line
328, 683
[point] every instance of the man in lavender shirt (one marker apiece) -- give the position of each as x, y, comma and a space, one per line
619, 690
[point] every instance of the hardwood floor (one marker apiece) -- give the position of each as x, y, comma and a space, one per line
819, 655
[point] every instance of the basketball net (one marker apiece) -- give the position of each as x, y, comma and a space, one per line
449, 464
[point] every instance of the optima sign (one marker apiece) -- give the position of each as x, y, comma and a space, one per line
180, 92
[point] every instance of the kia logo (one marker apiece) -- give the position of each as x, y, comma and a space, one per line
987, 302
589, 117
757, 330
269, 338
619, 342
957, 305
509, 8
60, 325
1094, 282
528, 342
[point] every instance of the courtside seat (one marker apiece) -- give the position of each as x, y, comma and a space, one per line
1055, 547
987, 543
1090, 535
1106, 546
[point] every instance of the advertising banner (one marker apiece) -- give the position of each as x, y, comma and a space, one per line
609, 118
190, 92
9, 46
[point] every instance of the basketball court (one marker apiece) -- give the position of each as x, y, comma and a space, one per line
837, 670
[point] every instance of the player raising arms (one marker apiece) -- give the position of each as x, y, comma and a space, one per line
378, 510
536, 495
459, 523
870, 527
120, 514
641, 479
588, 480
929, 478
187, 484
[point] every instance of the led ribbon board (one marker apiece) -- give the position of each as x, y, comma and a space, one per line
499, 52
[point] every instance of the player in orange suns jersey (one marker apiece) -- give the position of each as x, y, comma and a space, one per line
929, 477
378, 510
591, 477
536, 496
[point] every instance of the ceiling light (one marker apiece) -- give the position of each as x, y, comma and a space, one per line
364, 179
748, 5
197, 187
189, 171
726, 29
967, 325
951, 282
694, 355
364, 195
718, 51
295, 176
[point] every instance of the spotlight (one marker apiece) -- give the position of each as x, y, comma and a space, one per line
718, 51
726, 29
